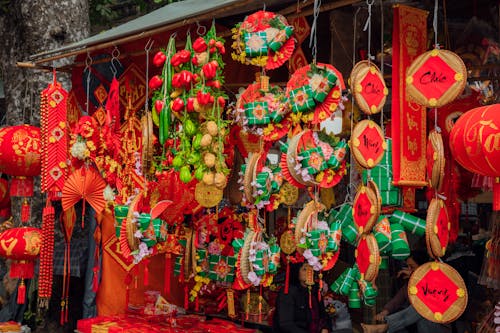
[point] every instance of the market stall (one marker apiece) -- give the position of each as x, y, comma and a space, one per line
203, 159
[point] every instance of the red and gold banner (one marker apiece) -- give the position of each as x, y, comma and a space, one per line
301, 30
408, 117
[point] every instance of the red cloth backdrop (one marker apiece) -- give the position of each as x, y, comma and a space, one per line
408, 118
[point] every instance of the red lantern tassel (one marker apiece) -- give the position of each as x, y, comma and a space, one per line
310, 299
197, 304
21, 292
167, 274
287, 276
496, 194
25, 211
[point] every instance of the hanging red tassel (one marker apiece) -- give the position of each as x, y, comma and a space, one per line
186, 297
310, 299
25, 211
260, 304
146, 272
128, 281
287, 276
197, 305
95, 280
167, 275
320, 285
21, 292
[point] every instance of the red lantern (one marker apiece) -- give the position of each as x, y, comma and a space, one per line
475, 143
20, 157
22, 245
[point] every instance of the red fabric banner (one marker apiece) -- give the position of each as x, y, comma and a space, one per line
408, 118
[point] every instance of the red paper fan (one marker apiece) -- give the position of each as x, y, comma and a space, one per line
86, 184
159, 208
258, 21
276, 59
286, 173
280, 130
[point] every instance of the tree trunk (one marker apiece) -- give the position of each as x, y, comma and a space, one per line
29, 27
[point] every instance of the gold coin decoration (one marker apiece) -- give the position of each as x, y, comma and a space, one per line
287, 242
207, 195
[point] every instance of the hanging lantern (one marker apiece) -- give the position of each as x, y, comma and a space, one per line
22, 246
475, 144
20, 158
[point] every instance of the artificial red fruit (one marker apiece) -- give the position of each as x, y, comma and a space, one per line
214, 84
213, 49
195, 61
199, 45
182, 79
155, 82
177, 104
180, 58
159, 59
218, 44
203, 98
159, 105
209, 71
212, 99
222, 50
190, 104
211, 42
221, 101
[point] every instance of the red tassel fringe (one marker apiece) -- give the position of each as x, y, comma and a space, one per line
287, 276
25, 212
146, 273
186, 297
21, 292
95, 280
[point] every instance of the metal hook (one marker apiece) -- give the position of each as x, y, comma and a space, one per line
114, 57
201, 30
149, 45
88, 61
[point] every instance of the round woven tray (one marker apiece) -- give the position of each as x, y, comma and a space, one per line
435, 160
358, 146
207, 195
292, 160
429, 294
307, 220
363, 193
374, 257
133, 242
361, 71
244, 262
452, 91
249, 177
437, 219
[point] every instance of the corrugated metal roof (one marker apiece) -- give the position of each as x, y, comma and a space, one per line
174, 12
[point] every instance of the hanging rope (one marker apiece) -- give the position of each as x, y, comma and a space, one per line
382, 60
368, 26
88, 64
147, 48
313, 40
435, 23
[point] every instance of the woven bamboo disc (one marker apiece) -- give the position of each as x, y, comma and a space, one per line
249, 176
133, 242
420, 66
355, 70
366, 200
437, 292
437, 228
292, 160
307, 220
373, 186
147, 144
244, 262
368, 143
438, 167
372, 256
361, 92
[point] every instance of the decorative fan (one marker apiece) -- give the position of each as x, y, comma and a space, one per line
84, 183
